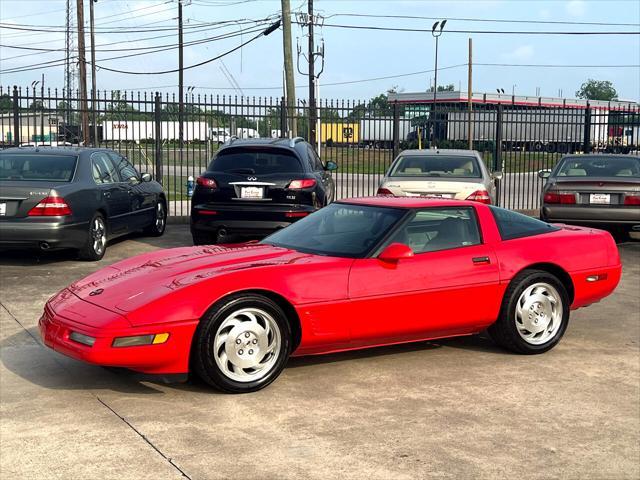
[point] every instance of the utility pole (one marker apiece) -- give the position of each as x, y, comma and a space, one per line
94, 90
180, 83
312, 79
290, 87
42, 113
84, 108
436, 34
470, 94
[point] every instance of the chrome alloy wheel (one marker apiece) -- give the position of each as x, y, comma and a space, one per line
98, 234
247, 345
538, 313
161, 217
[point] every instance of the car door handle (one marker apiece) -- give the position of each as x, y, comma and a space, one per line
481, 260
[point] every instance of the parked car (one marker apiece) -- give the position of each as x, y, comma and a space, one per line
78, 198
601, 190
443, 173
255, 186
219, 135
357, 273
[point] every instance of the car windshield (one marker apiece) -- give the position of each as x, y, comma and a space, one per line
338, 230
256, 161
25, 167
465, 166
600, 166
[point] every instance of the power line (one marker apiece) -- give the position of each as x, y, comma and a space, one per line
478, 32
485, 20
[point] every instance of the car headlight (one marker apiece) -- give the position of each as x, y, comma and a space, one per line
138, 340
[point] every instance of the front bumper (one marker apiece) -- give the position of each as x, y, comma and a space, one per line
35, 232
244, 219
171, 357
587, 214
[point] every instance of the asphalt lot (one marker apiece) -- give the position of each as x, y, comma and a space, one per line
456, 409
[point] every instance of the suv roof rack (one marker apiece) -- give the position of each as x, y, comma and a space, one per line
293, 141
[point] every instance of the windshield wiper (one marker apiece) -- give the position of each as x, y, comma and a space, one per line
241, 170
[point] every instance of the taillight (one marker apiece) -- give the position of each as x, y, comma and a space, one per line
384, 191
304, 183
631, 199
50, 207
206, 182
481, 196
560, 197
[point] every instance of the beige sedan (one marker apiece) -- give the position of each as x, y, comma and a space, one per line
459, 174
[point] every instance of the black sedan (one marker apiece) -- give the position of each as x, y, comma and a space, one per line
78, 198
255, 186
600, 190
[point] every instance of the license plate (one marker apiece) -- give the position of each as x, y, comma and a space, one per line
251, 192
600, 198
3, 209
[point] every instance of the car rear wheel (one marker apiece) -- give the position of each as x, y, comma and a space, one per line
242, 344
156, 229
200, 238
534, 313
96, 244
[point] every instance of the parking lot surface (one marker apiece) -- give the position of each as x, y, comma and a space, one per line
459, 408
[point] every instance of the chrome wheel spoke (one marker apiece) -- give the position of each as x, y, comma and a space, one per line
538, 313
247, 345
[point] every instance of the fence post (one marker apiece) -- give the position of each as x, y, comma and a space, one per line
396, 130
16, 117
586, 143
283, 118
158, 137
497, 157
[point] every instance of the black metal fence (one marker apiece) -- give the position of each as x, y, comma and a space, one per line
362, 137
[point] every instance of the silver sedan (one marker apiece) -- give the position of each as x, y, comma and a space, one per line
459, 174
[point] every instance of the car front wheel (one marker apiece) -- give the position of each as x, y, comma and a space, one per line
243, 344
534, 313
159, 224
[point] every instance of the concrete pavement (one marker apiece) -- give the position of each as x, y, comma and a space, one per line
459, 408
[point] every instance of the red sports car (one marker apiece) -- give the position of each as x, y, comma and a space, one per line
358, 273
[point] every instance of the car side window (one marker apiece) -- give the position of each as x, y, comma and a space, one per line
102, 169
314, 161
433, 229
125, 169
516, 225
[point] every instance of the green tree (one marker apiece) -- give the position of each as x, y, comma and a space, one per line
597, 90
120, 109
444, 88
6, 104
37, 106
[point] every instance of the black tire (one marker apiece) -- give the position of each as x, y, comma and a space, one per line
621, 234
203, 351
159, 224
505, 332
200, 238
91, 250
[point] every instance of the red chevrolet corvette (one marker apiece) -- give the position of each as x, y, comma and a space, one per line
358, 273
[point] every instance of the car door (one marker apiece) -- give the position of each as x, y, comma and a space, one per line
450, 286
113, 194
142, 200
323, 176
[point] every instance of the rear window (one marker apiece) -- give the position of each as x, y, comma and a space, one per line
516, 225
256, 161
600, 166
52, 168
436, 166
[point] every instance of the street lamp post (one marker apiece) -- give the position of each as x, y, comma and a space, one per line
436, 32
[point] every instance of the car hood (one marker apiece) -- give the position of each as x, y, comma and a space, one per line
130, 284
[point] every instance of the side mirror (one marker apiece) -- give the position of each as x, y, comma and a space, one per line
497, 175
395, 252
331, 166
146, 177
544, 173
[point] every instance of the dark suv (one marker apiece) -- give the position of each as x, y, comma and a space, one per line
255, 186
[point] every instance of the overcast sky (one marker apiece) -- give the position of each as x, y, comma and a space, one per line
350, 54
